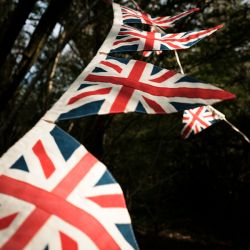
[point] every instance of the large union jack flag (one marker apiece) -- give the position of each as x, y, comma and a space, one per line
197, 119
132, 16
132, 39
118, 85
56, 195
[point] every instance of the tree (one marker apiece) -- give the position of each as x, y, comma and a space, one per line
51, 16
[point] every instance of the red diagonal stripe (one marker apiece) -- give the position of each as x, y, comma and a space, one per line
146, 18
172, 45
192, 124
172, 35
70, 181
112, 65
67, 242
168, 74
6, 221
46, 163
54, 205
192, 36
164, 91
154, 105
196, 116
63, 189
109, 201
28, 228
89, 93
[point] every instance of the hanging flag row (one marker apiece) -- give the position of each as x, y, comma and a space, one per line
127, 15
194, 120
124, 38
118, 85
56, 195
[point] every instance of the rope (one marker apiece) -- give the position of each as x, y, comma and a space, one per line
213, 110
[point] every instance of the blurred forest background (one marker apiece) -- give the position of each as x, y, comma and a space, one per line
192, 194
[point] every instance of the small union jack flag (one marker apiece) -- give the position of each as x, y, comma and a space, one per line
132, 16
132, 39
197, 119
118, 85
56, 195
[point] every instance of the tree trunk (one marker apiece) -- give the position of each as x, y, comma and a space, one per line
52, 15
12, 27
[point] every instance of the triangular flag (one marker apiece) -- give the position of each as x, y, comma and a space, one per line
118, 85
128, 15
124, 38
197, 119
132, 39
67, 199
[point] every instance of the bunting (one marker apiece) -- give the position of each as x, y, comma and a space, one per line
198, 119
127, 16
132, 39
118, 85
56, 195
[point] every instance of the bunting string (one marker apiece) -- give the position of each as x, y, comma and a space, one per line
220, 115
118, 85
86, 206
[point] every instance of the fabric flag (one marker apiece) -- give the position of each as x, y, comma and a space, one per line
148, 53
56, 195
197, 119
132, 16
132, 39
118, 85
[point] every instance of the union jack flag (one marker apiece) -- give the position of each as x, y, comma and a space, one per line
132, 16
197, 119
149, 53
118, 85
56, 195
132, 39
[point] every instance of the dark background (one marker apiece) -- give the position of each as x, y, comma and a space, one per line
191, 194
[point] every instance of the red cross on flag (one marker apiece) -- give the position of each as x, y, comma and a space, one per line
119, 85
55, 195
128, 15
197, 119
124, 38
